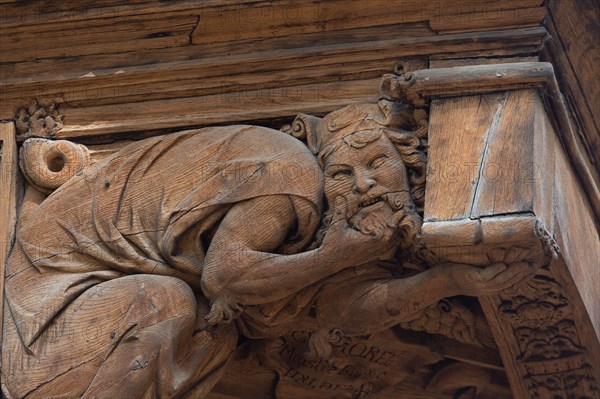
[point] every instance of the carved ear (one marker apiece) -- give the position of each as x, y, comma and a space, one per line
304, 128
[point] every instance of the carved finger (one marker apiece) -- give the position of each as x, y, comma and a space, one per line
340, 208
515, 254
513, 275
214, 317
490, 272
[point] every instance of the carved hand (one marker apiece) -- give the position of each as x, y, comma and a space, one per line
344, 243
224, 309
474, 281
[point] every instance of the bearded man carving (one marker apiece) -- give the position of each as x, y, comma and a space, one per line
125, 283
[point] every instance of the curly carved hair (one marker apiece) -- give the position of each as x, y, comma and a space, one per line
410, 147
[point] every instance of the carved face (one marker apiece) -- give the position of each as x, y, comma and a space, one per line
361, 176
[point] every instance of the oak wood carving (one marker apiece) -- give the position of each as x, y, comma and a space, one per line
137, 276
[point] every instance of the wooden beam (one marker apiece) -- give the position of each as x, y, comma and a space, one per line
490, 19
420, 87
8, 199
519, 200
82, 84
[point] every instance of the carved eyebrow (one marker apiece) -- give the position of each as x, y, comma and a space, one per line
376, 157
331, 169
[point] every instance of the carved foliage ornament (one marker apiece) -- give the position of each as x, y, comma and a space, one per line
38, 119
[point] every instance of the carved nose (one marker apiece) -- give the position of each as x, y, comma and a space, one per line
363, 183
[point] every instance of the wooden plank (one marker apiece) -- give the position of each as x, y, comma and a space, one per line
111, 36
200, 78
115, 83
506, 180
213, 109
279, 14
454, 159
455, 62
8, 199
477, 241
542, 168
41, 12
489, 20
576, 232
43, 70
420, 86
279, 19
576, 64
491, 231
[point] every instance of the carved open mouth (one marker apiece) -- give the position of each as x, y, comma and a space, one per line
371, 201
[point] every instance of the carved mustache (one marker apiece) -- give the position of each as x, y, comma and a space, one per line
402, 215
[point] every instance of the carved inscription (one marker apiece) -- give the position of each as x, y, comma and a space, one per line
360, 367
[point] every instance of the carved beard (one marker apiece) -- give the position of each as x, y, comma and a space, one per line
397, 212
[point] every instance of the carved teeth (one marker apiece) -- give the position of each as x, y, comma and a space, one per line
371, 201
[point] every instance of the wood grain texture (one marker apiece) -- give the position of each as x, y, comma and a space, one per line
576, 232
419, 87
118, 79
8, 199
506, 177
574, 51
284, 17
174, 235
490, 19
455, 158
501, 188
521, 134
479, 241
216, 108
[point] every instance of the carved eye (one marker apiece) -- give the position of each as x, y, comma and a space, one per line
377, 162
341, 174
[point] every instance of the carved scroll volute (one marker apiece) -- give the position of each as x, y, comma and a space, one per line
304, 128
48, 164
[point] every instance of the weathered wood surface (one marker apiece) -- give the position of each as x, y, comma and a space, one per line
574, 50
88, 95
306, 13
98, 77
148, 270
489, 19
499, 156
141, 68
144, 54
9, 190
419, 87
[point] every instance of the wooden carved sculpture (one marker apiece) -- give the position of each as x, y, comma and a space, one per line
136, 277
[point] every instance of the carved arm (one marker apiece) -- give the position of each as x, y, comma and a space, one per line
377, 305
241, 267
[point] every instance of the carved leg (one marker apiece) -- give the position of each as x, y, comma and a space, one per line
133, 337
